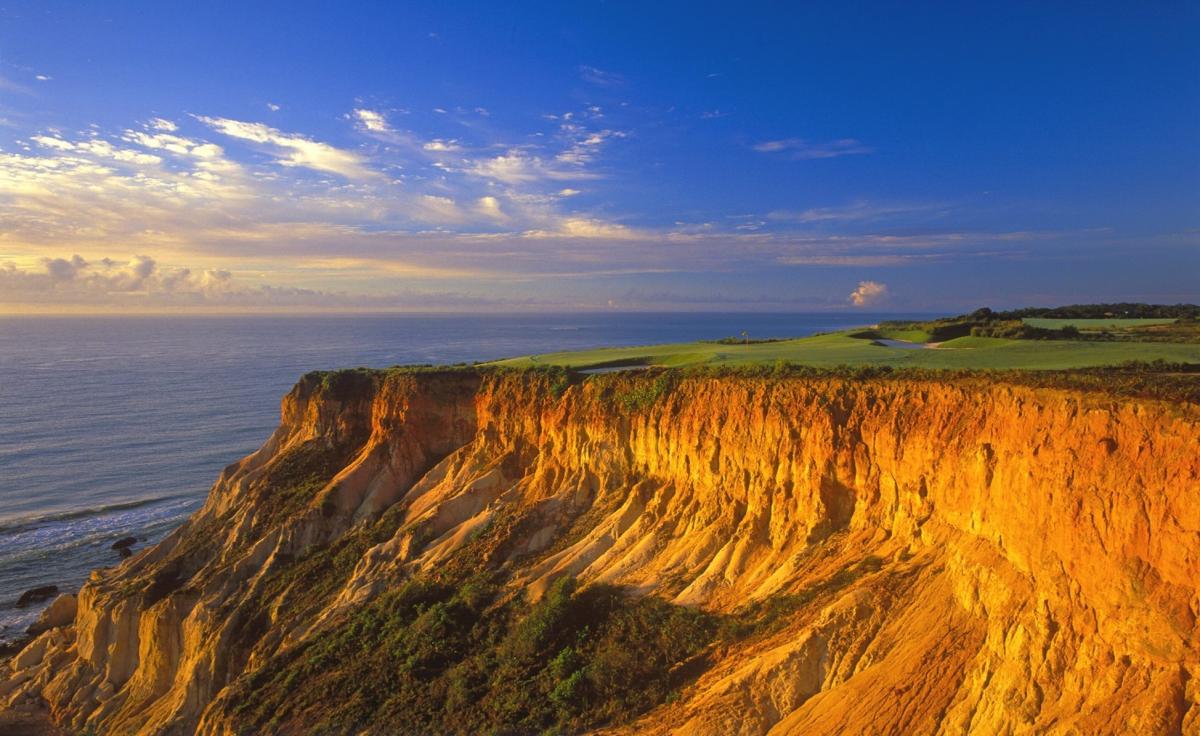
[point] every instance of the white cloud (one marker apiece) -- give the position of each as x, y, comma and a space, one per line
162, 124
273, 107
100, 149
581, 227
296, 150
801, 150
371, 121
517, 167
568, 192
43, 77
442, 146
868, 293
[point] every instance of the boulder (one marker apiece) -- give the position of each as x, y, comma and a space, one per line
37, 595
59, 613
124, 543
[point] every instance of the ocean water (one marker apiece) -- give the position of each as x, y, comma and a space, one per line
118, 426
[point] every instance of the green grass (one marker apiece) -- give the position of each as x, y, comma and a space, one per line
1094, 324
840, 349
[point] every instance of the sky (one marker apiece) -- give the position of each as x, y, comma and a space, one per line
597, 155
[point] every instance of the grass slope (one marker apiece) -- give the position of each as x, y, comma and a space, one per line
840, 349
1095, 324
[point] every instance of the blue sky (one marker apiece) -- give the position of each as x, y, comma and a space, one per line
597, 155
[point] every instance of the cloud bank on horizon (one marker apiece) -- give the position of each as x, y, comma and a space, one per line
575, 184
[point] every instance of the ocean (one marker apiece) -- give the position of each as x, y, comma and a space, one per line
118, 426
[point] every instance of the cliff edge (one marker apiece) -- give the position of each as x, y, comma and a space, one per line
523, 552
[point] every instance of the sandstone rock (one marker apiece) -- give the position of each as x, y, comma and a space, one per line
60, 612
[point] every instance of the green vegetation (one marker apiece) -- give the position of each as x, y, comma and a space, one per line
295, 479
1095, 324
1032, 339
1122, 310
463, 658
642, 394
843, 349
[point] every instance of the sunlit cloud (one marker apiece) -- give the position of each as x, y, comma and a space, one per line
467, 213
372, 121
868, 293
294, 150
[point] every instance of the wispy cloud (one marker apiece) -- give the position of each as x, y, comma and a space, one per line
802, 150
599, 77
294, 150
855, 212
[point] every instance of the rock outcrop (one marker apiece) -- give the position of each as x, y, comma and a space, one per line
958, 556
60, 612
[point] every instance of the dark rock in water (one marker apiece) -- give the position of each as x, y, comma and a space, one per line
124, 543
37, 595
126, 552
12, 646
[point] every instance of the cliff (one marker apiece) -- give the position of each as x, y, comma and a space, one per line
461, 551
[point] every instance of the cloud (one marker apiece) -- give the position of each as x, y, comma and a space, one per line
802, 150
518, 167
43, 77
490, 207
854, 212
100, 149
295, 150
97, 279
868, 293
273, 107
599, 77
580, 227
371, 121
442, 146
477, 215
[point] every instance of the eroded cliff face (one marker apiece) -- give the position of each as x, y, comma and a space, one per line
954, 556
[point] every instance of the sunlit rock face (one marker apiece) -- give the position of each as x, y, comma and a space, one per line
963, 556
